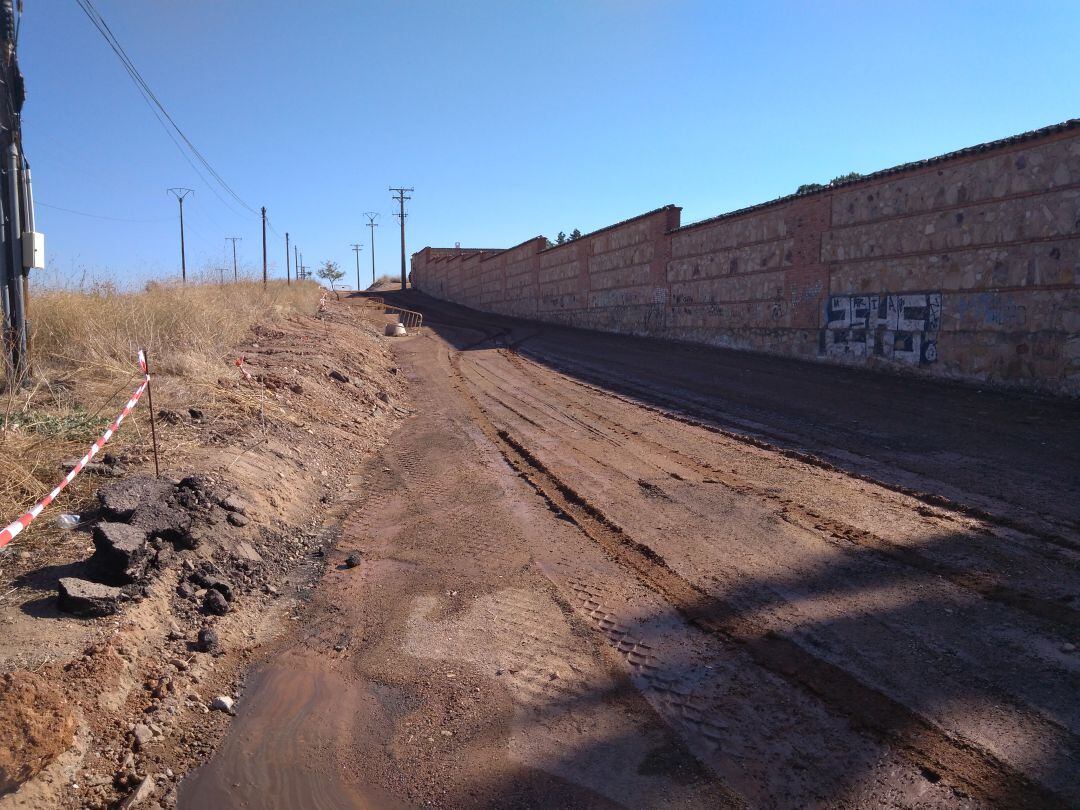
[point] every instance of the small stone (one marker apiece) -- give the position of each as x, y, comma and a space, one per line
222, 703
236, 519
208, 640
144, 792
337, 375
143, 736
215, 602
1068, 647
184, 590
234, 504
195, 413
353, 560
175, 631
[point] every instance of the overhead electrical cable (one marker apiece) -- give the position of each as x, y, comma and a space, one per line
151, 98
99, 216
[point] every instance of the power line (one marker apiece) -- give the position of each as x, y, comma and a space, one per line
103, 28
98, 216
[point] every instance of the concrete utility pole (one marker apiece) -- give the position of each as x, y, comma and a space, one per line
296, 261
180, 193
21, 248
356, 250
234, 240
287, 282
264, 244
372, 216
401, 198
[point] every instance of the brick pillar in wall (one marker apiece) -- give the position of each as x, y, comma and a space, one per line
806, 281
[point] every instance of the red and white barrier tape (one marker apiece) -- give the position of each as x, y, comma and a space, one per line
12, 531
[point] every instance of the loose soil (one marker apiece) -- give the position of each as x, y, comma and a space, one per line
81, 693
599, 571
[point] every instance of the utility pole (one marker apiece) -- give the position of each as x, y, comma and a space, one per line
401, 198
356, 250
234, 240
296, 261
264, 244
21, 248
372, 216
287, 282
180, 193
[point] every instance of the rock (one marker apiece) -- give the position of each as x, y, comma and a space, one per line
122, 550
215, 603
81, 597
337, 375
212, 582
296, 388
208, 640
175, 631
168, 417
143, 736
394, 330
222, 703
165, 518
142, 793
234, 504
385, 397
245, 551
36, 726
353, 560
236, 519
120, 500
184, 590
195, 413
1068, 647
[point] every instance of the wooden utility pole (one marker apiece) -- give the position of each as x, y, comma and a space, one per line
401, 198
287, 281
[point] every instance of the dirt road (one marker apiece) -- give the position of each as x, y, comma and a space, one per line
599, 571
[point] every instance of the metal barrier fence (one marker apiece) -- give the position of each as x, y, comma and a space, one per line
410, 319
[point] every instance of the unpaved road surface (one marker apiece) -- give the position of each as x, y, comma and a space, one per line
600, 571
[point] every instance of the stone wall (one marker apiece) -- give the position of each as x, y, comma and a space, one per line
965, 266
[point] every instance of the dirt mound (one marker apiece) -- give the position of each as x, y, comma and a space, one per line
36, 726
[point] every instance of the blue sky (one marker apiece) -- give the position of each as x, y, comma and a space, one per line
510, 119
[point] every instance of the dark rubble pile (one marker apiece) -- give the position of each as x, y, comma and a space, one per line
144, 527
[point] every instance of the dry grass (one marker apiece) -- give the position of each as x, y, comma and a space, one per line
84, 366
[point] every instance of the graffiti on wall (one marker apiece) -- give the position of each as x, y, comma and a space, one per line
903, 328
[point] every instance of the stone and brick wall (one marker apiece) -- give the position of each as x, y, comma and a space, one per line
965, 266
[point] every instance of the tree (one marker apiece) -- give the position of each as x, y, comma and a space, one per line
575, 234
332, 273
560, 239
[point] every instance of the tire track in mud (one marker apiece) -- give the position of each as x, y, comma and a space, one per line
966, 768
1064, 619
702, 417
